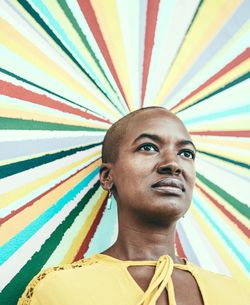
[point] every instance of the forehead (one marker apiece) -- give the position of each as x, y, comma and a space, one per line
156, 121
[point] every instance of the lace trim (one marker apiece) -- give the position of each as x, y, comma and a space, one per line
26, 298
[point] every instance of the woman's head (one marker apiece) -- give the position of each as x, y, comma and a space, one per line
148, 162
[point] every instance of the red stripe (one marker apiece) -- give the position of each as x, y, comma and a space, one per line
152, 13
85, 245
21, 93
31, 202
179, 248
240, 225
235, 62
223, 133
91, 19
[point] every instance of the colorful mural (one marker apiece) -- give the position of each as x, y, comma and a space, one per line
68, 69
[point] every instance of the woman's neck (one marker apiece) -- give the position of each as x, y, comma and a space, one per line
135, 243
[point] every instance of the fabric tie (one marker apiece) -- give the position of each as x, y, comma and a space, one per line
160, 281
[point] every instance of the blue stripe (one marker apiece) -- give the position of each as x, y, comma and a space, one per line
41, 6
222, 114
18, 240
224, 236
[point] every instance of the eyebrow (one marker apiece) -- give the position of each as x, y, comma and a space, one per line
158, 139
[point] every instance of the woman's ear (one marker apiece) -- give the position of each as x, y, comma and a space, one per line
105, 176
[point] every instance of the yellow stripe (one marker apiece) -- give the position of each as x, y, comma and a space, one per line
230, 76
221, 215
24, 190
28, 111
211, 17
73, 36
235, 168
236, 122
234, 143
76, 243
21, 220
18, 44
108, 19
235, 268
238, 155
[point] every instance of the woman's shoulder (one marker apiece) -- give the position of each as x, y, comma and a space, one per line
49, 278
222, 286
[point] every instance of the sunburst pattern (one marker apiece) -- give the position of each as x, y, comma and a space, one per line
71, 68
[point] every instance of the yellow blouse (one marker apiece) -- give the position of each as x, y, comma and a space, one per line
104, 280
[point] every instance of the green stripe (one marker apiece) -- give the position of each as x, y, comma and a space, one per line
11, 293
184, 37
244, 165
234, 202
20, 124
195, 15
227, 86
44, 89
40, 21
17, 167
63, 4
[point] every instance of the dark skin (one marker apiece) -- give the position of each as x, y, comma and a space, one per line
156, 147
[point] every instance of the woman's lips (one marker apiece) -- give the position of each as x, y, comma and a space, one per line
169, 186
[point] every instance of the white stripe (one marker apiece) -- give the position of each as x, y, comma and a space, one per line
14, 264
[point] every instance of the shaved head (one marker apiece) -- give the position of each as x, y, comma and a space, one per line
116, 133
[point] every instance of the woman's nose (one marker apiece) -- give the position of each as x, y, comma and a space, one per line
170, 167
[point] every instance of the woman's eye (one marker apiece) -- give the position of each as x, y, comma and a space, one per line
187, 154
148, 147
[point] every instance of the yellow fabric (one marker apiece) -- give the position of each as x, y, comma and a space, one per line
103, 280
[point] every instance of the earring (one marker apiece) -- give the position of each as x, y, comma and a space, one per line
110, 193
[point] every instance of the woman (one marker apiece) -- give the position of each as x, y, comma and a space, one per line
148, 166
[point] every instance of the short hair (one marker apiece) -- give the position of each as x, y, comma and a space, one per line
115, 134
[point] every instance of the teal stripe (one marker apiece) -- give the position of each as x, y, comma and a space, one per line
42, 7
64, 6
46, 90
217, 115
40, 21
17, 167
8, 249
241, 207
227, 86
15, 288
242, 164
242, 259
20, 124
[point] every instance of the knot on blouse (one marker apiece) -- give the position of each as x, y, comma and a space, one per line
160, 281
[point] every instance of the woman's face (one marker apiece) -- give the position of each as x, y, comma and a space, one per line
154, 174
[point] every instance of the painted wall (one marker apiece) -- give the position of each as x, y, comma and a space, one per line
71, 68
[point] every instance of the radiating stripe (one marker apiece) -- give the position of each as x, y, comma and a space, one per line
48, 196
37, 17
44, 89
179, 248
19, 239
224, 133
63, 4
242, 227
84, 246
239, 206
11, 123
90, 16
242, 258
152, 12
225, 159
16, 167
67, 245
234, 267
237, 61
40, 257
29, 96
232, 25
